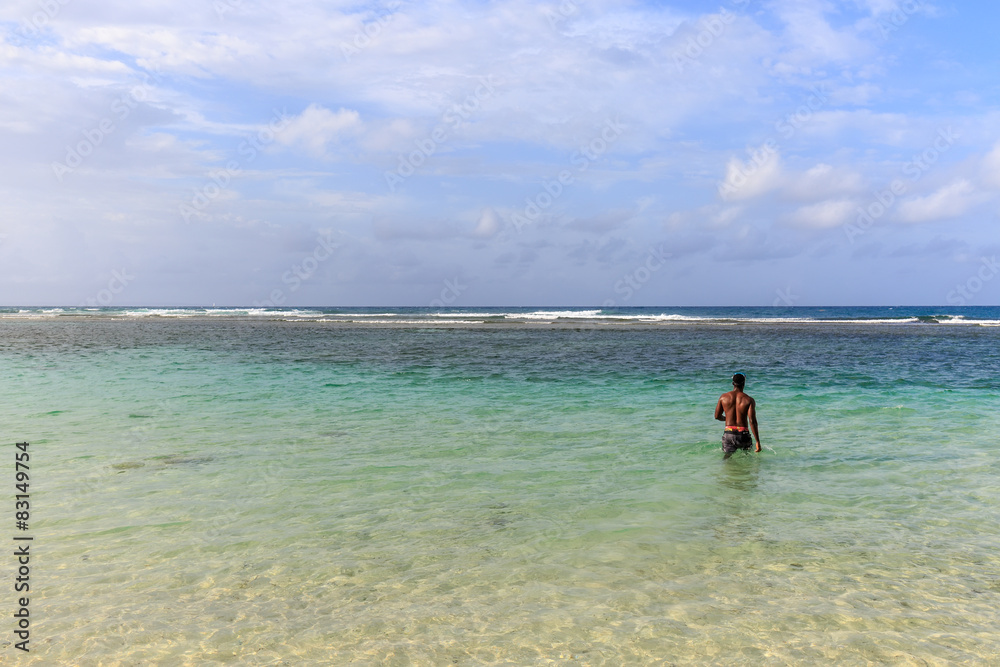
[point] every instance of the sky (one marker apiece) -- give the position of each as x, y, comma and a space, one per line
491, 153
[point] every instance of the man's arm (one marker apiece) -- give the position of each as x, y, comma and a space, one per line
720, 414
752, 418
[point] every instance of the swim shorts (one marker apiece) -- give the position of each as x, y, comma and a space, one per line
731, 441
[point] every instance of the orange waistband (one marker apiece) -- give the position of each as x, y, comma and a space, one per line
738, 429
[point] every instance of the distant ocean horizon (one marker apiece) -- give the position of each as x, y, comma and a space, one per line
955, 315
480, 486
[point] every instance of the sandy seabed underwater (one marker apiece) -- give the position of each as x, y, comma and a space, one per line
259, 491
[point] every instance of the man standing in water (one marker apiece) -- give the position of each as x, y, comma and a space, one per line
738, 410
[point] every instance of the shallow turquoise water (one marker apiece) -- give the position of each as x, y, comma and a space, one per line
252, 492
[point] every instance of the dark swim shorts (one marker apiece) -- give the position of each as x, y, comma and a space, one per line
731, 441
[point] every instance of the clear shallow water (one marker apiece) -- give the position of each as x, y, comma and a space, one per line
236, 491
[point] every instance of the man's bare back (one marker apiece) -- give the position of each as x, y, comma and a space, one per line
739, 411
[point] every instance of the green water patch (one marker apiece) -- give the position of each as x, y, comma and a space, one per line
482, 517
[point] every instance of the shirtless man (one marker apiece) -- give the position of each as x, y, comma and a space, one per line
737, 410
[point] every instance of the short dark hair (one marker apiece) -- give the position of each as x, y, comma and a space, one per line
739, 380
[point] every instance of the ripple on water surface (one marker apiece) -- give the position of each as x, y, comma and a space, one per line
322, 496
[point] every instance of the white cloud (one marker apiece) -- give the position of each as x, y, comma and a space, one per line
824, 214
557, 82
878, 7
814, 41
949, 201
488, 225
991, 168
822, 181
726, 216
316, 127
759, 174
712, 216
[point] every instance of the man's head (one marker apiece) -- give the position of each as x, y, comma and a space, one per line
739, 381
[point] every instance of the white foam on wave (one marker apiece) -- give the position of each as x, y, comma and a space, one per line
675, 317
396, 321
554, 314
663, 318
34, 313
220, 312
963, 320
157, 312
163, 312
807, 320
477, 317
